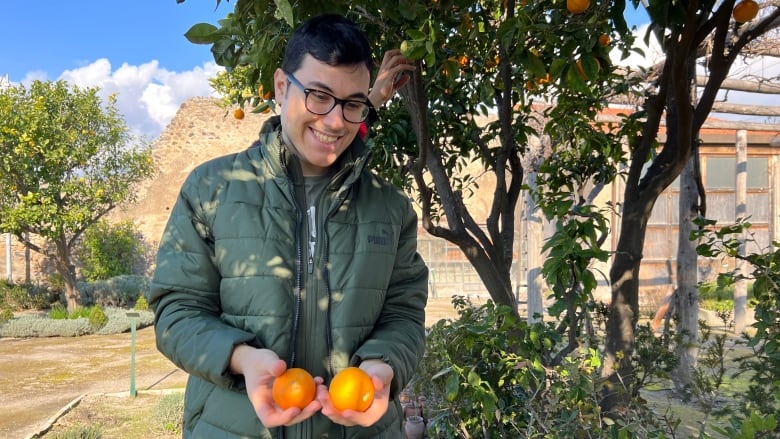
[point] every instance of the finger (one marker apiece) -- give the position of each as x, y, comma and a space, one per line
401, 80
277, 368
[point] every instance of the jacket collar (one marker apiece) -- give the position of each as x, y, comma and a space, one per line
284, 163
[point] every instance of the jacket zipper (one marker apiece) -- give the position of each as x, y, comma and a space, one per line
299, 219
326, 278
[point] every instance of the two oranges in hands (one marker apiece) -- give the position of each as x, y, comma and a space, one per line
350, 389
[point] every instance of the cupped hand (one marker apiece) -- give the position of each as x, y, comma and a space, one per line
382, 376
260, 367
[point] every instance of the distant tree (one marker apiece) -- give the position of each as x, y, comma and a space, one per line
110, 250
66, 159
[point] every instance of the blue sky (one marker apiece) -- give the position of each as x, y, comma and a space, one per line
61, 35
134, 48
66, 35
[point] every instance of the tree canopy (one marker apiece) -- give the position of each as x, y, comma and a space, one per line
66, 159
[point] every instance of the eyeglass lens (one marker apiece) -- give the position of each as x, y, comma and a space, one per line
320, 102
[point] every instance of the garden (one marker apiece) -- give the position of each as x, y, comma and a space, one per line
484, 374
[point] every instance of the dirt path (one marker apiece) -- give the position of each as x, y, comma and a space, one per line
40, 376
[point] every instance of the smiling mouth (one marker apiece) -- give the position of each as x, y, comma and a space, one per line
324, 138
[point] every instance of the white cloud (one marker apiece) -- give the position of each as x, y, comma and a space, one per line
147, 96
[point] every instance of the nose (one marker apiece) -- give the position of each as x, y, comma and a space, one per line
335, 118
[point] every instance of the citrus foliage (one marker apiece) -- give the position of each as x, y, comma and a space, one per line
467, 103
763, 367
483, 380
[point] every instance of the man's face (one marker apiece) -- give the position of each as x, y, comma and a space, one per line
319, 140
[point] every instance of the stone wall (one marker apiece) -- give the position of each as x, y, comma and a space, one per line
201, 130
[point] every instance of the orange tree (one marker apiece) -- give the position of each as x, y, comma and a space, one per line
691, 32
67, 158
474, 58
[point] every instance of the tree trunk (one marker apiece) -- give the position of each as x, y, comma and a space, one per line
686, 298
623, 309
68, 273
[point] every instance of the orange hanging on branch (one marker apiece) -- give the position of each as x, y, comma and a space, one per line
577, 6
745, 11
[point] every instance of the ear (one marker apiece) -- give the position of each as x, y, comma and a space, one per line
280, 85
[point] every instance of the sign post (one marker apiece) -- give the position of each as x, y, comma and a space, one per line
133, 316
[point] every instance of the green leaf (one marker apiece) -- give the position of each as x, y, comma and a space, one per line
452, 387
413, 49
284, 11
202, 33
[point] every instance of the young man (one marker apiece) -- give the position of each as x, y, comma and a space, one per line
292, 254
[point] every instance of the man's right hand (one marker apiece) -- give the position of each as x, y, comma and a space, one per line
260, 367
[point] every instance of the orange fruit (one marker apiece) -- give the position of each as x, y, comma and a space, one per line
581, 70
238, 113
604, 40
294, 388
547, 79
577, 6
745, 11
265, 95
352, 389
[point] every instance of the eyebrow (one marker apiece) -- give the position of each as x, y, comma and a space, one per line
324, 87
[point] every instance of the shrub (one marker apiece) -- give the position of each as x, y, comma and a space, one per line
27, 296
141, 304
110, 250
58, 312
78, 432
489, 375
719, 296
6, 314
43, 326
169, 413
119, 322
120, 291
97, 318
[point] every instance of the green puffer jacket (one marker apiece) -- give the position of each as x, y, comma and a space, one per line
230, 271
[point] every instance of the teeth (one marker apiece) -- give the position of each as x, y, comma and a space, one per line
323, 138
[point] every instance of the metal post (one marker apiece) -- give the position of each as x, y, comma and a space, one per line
8, 254
133, 316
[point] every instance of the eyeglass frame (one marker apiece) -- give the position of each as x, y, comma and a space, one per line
336, 101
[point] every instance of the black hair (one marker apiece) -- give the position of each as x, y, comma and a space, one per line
331, 39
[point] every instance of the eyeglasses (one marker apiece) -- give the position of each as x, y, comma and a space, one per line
321, 103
